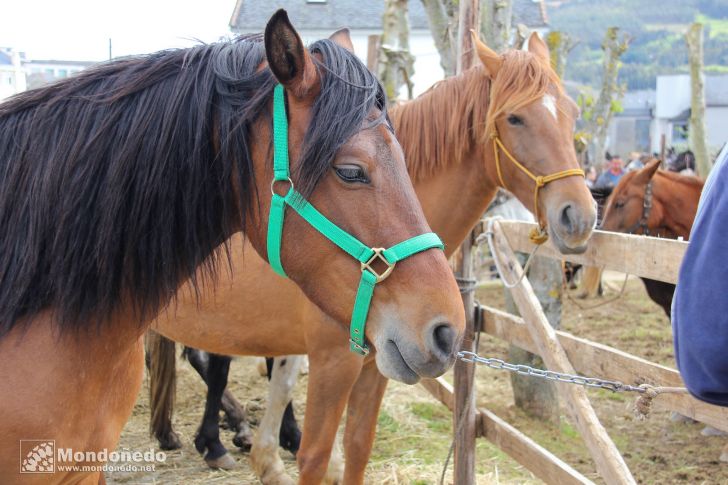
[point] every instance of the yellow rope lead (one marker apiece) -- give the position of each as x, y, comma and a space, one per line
537, 236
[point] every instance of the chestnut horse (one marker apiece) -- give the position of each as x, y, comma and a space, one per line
448, 135
119, 185
655, 203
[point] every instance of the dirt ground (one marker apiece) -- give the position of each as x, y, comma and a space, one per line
414, 431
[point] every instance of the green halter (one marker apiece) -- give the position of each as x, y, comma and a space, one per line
351, 245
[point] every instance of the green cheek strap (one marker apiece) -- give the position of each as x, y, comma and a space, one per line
364, 254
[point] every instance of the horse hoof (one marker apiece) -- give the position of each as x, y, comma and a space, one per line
224, 462
277, 479
244, 441
169, 442
711, 431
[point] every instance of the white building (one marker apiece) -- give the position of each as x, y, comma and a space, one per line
12, 75
39, 72
317, 19
649, 115
17, 73
672, 110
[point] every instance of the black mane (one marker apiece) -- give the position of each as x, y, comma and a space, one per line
115, 185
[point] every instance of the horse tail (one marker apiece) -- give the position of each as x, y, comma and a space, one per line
162, 389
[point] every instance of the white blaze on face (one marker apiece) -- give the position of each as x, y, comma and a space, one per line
549, 102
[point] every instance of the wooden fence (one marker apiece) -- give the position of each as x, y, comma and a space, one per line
648, 257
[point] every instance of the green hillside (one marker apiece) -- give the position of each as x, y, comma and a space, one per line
656, 27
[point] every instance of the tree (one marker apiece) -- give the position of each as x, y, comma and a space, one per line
396, 63
696, 133
560, 44
607, 103
443, 19
495, 23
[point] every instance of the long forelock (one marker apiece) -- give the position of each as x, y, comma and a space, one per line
522, 79
349, 95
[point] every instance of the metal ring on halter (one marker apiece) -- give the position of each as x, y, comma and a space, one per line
378, 256
273, 182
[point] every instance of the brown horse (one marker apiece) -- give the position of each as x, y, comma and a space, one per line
446, 135
121, 184
656, 203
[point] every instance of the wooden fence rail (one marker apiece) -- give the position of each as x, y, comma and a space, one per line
648, 257
597, 360
532, 456
642, 256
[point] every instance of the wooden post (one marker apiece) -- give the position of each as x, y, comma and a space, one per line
464, 412
609, 462
373, 53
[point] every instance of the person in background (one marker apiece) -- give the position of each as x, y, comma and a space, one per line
635, 161
591, 177
614, 172
700, 306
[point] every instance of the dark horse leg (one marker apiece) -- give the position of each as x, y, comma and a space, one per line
290, 434
214, 370
661, 293
235, 414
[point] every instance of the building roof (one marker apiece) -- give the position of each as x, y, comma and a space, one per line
252, 15
638, 103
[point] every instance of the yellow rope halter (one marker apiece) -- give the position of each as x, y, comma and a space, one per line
537, 236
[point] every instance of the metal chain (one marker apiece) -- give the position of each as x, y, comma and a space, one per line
525, 370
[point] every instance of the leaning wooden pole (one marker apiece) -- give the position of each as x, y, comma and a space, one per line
464, 412
609, 461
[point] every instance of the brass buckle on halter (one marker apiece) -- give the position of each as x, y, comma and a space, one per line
359, 349
378, 255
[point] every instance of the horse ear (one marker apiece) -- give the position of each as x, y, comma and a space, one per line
288, 59
649, 171
537, 46
342, 37
488, 57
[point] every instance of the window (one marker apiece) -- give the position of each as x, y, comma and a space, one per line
679, 132
63, 73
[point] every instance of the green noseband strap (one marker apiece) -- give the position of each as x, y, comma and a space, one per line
364, 254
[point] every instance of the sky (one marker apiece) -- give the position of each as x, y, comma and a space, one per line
80, 29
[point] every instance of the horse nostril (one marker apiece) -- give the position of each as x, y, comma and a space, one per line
444, 338
567, 218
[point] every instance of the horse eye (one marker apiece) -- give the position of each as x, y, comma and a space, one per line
515, 120
618, 204
351, 174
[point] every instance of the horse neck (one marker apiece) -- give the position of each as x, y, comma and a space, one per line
455, 199
678, 206
452, 170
